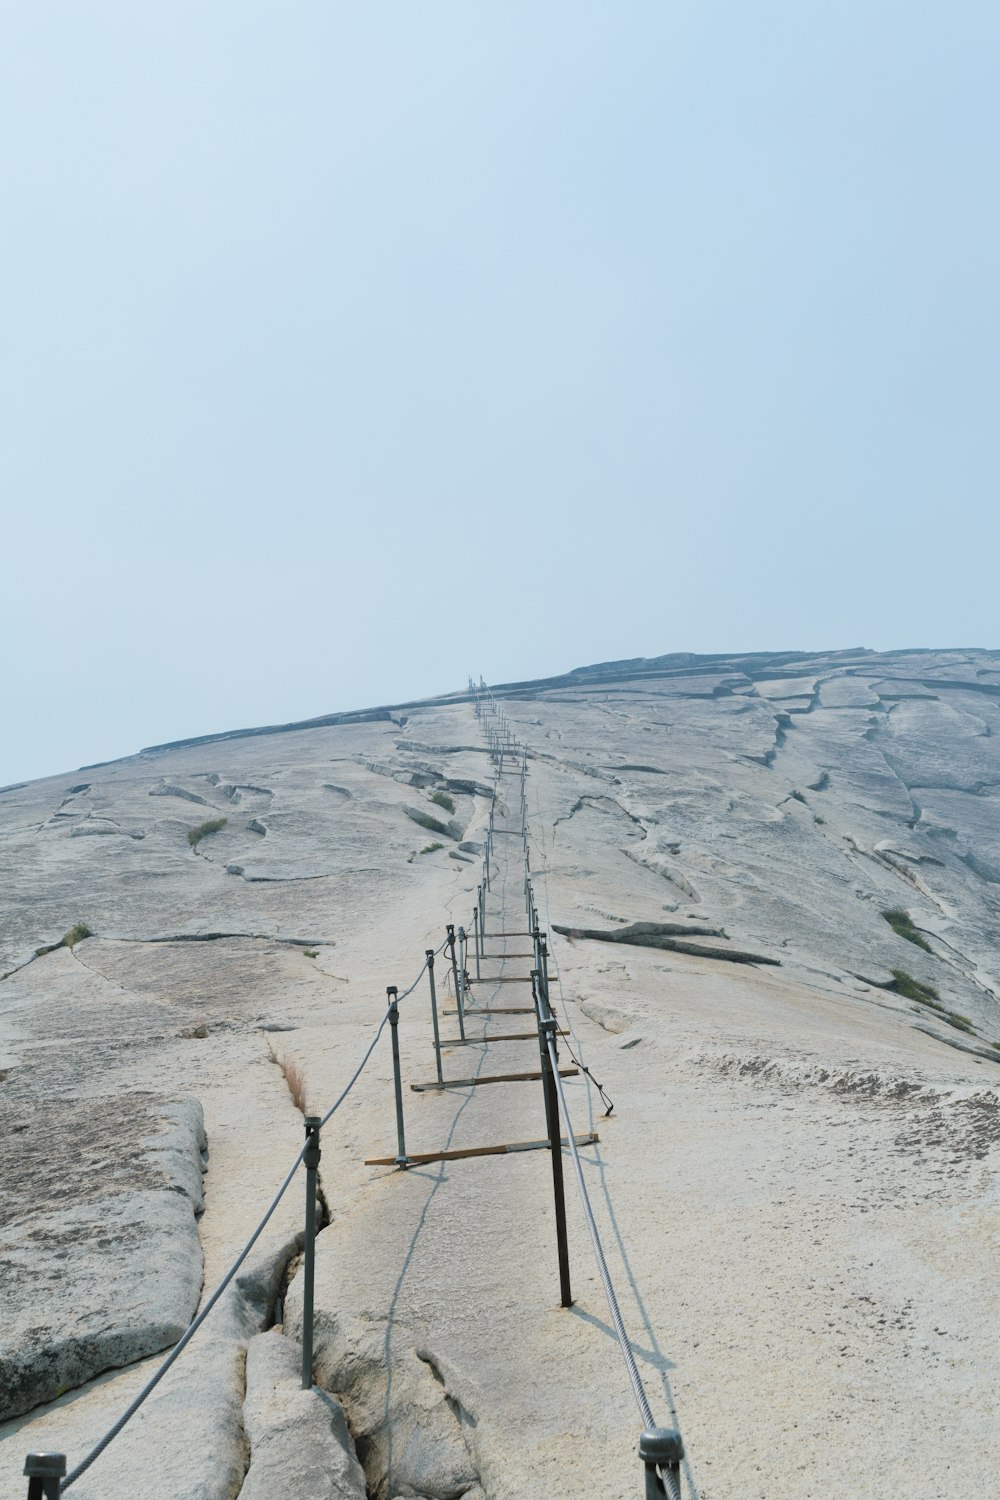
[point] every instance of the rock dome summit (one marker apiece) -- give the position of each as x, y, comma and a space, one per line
769, 887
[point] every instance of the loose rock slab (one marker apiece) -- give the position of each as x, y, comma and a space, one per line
99, 1253
299, 1440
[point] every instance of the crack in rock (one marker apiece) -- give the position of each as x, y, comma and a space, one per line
655, 935
169, 790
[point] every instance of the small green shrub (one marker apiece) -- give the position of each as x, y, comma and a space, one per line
443, 800
195, 835
426, 821
311, 952
905, 984
76, 934
961, 1023
431, 848
902, 924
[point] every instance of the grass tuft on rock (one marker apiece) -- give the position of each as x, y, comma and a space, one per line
902, 924
426, 821
293, 1074
912, 989
311, 952
212, 825
432, 848
443, 800
76, 934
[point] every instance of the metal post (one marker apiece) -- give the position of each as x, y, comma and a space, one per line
539, 1017
475, 934
547, 1029
402, 1160
544, 949
458, 987
463, 972
45, 1472
434, 1013
310, 1160
661, 1448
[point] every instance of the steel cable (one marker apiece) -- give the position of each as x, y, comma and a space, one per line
186, 1337
226, 1281
602, 1265
668, 1476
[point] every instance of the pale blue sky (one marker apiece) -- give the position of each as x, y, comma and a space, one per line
345, 350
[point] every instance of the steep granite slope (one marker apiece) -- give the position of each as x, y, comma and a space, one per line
771, 884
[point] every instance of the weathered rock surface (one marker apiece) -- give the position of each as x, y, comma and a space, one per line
409, 1429
798, 1187
299, 1440
99, 1253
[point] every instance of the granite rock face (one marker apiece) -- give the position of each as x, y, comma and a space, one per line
299, 1440
793, 800
799, 1176
99, 1252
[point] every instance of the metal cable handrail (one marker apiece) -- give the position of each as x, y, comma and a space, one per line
661, 1449
667, 1474
645, 1411
226, 1281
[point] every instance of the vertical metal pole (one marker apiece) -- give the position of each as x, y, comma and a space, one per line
463, 972
539, 1016
402, 1160
458, 988
475, 934
434, 1013
546, 1030
45, 1473
310, 1160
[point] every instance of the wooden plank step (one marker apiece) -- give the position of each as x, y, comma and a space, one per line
504, 979
487, 979
507, 1148
507, 1036
474, 1083
487, 1010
